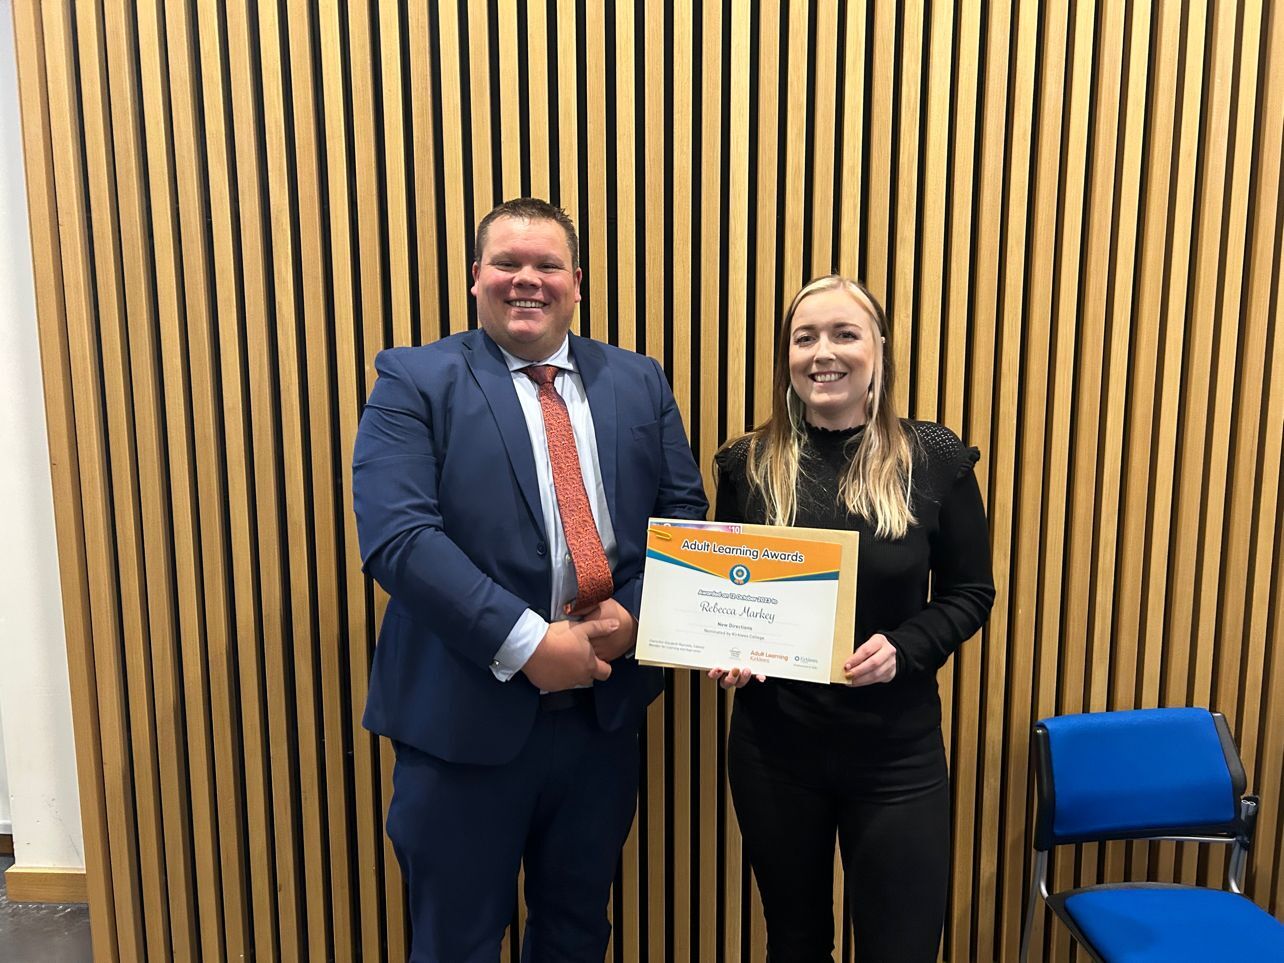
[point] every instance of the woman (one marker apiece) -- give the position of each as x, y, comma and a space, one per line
863, 761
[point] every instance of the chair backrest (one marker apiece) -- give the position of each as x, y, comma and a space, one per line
1135, 774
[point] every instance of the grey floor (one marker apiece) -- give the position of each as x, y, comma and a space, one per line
40, 933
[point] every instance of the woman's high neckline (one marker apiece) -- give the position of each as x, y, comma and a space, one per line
819, 434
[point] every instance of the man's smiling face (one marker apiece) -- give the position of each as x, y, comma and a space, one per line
526, 286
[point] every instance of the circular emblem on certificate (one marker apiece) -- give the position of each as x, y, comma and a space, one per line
739, 574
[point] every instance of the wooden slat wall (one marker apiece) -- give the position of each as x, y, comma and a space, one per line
1073, 211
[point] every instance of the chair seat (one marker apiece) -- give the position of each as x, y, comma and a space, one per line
1156, 923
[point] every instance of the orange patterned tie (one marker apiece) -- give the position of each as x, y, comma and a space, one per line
593, 579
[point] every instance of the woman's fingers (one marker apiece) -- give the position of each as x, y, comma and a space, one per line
734, 678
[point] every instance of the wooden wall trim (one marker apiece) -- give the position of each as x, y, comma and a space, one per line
34, 884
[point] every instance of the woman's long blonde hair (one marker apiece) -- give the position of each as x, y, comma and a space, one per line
876, 484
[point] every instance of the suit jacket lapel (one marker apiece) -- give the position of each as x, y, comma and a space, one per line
496, 382
599, 385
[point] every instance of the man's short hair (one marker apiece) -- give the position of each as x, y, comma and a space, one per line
529, 209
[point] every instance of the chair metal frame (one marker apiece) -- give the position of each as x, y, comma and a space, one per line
1237, 833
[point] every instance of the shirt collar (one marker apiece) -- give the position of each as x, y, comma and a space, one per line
561, 358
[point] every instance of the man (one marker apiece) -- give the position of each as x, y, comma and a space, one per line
502, 480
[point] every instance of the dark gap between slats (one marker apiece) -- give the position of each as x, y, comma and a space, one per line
840, 142
523, 98
583, 195
409, 168
808, 151
785, 287
611, 176
642, 197
491, 31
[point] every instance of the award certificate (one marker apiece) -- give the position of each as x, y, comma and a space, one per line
774, 600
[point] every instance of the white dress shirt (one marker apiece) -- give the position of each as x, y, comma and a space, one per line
529, 629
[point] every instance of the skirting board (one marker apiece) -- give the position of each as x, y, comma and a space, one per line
35, 884
6, 844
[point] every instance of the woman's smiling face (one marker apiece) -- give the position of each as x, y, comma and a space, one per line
833, 353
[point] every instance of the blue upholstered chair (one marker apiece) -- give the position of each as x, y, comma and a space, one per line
1148, 774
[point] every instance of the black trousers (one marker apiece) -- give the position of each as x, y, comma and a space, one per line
888, 805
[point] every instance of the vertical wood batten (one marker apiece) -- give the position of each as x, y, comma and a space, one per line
1069, 241
1196, 560
1234, 50
366, 823
997, 637
115, 393
424, 226
220, 899
793, 118
398, 216
651, 816
566, 148
154, 507
290, 184
458, 233
902, 296
508, 96
717, 249
592, 222
190, 350
766, 312
1240, 352
1264, 711
1181, 241
1143, 397
263, 285
1024, 702
476, 21
824, 143
1221, 614
1266, 875
631, 280
69, 512
881, 47
1121, 385
961, 682
226, 395
537, 98
371, 331
847, 257
315, 366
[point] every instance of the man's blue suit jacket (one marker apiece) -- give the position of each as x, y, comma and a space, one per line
449, 521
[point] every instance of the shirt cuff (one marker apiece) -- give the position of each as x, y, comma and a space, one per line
524, 637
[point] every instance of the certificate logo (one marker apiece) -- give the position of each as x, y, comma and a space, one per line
739, 574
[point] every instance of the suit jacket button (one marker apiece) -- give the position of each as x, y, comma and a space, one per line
541, 550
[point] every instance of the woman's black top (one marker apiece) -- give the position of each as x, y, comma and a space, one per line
948, 548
